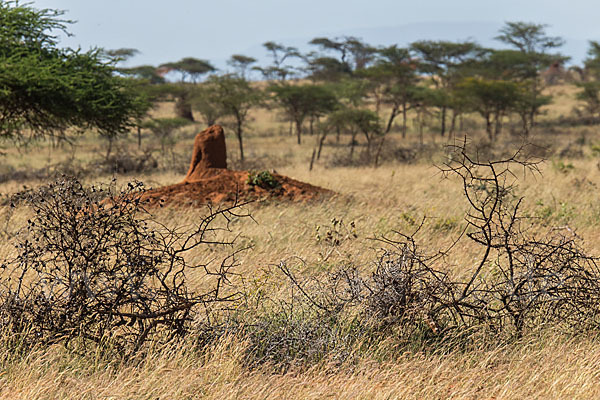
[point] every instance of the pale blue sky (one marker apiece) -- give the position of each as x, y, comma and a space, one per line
169, 30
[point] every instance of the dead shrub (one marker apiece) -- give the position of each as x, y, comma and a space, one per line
520, 283
94, 266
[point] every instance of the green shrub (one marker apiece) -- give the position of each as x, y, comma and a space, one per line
263, 179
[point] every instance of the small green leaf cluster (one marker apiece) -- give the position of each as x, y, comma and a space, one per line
263, 179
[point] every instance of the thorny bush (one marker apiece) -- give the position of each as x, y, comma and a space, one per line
521, 282
94, 265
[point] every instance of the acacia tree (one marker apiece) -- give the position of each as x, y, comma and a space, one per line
394, 75
353, 53
145, 80
144, 73
302, 101
235, 97
592, 62
44, 89
590, 94
444, 61
278, 69
354, 121
241, 64
163, 129
193, 69
205, 101
533, 43
190, 67
122, 54
490, 98
326, 69
590, 91
512, 67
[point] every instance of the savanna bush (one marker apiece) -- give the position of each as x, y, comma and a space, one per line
94, 266
521, 282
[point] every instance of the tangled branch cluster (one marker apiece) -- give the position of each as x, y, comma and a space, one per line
519, 283
93, 264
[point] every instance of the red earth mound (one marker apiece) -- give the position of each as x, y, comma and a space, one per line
209, 157
209, 181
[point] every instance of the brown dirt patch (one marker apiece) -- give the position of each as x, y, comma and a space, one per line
227, 186
209, 181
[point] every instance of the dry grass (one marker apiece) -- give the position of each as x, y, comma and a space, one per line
394, 196
538, 368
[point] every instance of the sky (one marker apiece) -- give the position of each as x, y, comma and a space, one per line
168, 30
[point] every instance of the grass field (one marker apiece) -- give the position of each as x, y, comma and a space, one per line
395, 196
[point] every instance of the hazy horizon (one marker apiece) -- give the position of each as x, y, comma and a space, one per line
164, 32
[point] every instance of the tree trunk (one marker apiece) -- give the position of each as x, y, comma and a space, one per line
239, 136
379, 148
183, 109
420, 122
443, 117
532, 112
453, 123
498, 124
391, 119
139, 136
321, 141
299, 131
525, 124
369, 138
488, 127
110, 145
403, 120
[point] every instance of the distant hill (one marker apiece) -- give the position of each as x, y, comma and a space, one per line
481, 31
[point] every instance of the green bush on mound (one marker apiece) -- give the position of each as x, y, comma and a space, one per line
263, 179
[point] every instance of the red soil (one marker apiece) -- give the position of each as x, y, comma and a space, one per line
229, 186
209, 181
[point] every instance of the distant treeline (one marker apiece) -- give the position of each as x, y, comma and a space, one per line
344, 86
348, 85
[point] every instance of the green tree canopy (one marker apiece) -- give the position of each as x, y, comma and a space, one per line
190, 67
528, 37
147, 73
356, 121
353, 53
45, 89
122, 54
592, 62
443, 60
235, 97
279, 54
534, 45
301, 101
505, 64
394, 75
590, 95
327, 69
447, 63
241, 64
491, 98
